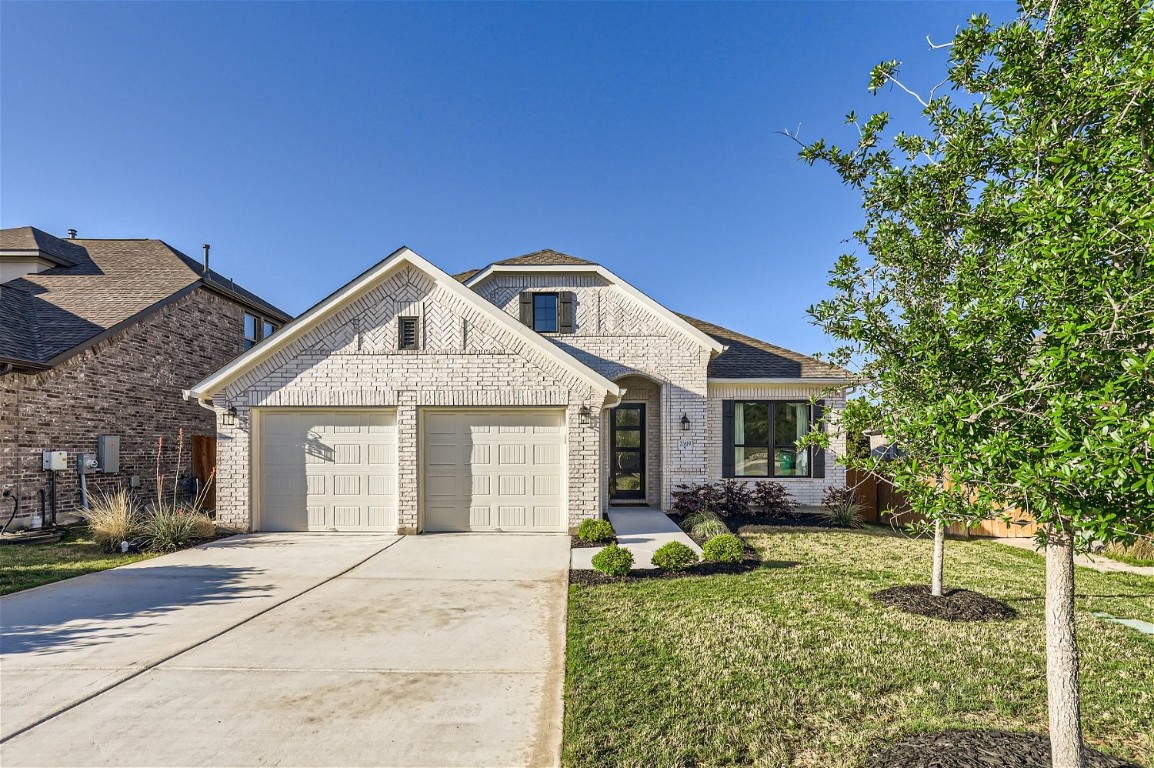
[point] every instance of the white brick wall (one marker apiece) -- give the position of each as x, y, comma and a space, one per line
466, 360
351, 359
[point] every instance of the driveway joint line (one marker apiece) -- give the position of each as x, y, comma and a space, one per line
148, 667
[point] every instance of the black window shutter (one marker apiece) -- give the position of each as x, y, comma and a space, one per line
527, 308
727, 438
565, 301
819, 453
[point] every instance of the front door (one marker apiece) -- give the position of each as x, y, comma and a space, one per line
627, 478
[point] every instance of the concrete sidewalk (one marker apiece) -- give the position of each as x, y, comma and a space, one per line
1095, 562
642, 532
437, 650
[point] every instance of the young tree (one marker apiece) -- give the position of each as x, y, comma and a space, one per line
1004, 315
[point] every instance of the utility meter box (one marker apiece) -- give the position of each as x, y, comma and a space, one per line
108, 453
55, 461
86, 464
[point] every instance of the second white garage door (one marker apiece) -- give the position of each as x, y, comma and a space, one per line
494, 470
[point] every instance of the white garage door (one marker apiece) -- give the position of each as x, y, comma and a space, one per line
328, 471
494, 470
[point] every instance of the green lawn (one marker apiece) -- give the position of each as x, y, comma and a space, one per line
794, 665
23, 566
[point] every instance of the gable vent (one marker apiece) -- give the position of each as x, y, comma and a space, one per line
407, 336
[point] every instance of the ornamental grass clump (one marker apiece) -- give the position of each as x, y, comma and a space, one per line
595, 530
613, 561
172, 523
112, 517
726, 548
840, 510
704, 525
674, 556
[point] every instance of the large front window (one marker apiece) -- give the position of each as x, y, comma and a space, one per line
765, 435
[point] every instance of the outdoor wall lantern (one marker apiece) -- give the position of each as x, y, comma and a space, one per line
684, 423
584, 415
230, 416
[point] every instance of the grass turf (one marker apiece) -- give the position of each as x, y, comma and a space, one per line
23, 566
794, 664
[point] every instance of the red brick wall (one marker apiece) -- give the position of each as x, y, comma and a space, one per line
129, 385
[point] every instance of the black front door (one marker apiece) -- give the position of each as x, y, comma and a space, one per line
627, 478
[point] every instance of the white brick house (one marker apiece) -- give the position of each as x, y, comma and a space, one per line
525, 396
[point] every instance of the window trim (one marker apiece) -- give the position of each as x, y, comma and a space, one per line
730, 444
416, 321
259, 322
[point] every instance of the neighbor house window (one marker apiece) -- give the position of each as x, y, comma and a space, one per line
545, 312
407, 335
257, 328
761, 437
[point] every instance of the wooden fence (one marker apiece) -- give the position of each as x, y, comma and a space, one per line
882, 503
203, 464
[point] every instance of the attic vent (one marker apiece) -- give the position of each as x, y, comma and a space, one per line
407, 337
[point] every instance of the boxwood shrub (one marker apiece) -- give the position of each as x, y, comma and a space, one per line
726, 548
613, 560
674, 556
595, 530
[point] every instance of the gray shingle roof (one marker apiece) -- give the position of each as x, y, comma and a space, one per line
750, 358
47, 314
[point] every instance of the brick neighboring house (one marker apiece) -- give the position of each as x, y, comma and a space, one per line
526, 396
99, 337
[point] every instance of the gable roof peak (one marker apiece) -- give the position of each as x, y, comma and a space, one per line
545, 257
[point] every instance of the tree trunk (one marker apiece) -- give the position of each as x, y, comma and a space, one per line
939, 559
1062, 653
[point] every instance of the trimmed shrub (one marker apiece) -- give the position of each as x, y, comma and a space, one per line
773, 498
691, 499
839, 509
595, 530
674, 556
112, 518
735, 498
169, 528
704, 525
726, 548
614, 561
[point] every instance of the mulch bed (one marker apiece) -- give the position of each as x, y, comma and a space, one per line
590, 578
977, 749
953, 605
576, 543
736, 522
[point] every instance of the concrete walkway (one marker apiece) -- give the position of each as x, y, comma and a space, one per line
641, 531
295, 649
1095, 562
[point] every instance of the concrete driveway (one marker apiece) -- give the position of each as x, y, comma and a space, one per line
295, 649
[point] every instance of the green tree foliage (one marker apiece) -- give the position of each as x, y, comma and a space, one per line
1003, 315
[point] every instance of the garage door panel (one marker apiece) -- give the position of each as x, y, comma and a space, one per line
506, 473
328, 470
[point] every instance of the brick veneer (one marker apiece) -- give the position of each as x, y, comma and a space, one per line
128, 385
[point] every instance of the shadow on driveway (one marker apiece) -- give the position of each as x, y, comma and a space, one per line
115, 605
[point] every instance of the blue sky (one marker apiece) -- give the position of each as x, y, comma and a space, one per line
306, 141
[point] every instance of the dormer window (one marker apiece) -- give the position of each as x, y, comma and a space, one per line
545, 312
548, 312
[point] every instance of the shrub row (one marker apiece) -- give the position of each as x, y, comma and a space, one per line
733, 498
